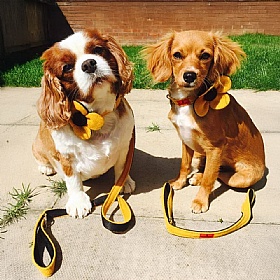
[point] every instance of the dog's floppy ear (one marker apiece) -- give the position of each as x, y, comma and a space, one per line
227, 55
53, 106
158, 58
125, 68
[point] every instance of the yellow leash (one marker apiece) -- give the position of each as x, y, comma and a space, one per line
167, 203
43, 241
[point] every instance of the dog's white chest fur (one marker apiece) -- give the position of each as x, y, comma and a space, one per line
184, 121
93, 157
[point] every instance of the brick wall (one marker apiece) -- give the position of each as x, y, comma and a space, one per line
141, 22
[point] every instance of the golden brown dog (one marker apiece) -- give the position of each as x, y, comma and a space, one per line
217, 134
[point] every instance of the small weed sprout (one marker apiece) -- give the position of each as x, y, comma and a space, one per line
58, 188
153, 127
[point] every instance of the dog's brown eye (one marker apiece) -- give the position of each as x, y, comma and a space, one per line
67, 68
98, 50
205, 56
177, 55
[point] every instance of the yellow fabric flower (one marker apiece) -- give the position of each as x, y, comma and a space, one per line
83, 122
222, 99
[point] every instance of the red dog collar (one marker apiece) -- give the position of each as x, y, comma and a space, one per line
180, 102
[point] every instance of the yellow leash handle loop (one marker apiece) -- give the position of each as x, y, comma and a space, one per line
167, 203
113, 226
117, 227
42, 240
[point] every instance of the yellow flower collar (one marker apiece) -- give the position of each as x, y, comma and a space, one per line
215, 97
83, 121
211, 95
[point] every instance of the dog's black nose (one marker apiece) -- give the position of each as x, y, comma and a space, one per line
89, 66
189, 77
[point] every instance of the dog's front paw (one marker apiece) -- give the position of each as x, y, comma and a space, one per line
177, 184
78, 205
129, 186
46, 169
199, 206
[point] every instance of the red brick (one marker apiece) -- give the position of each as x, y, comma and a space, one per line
140, 23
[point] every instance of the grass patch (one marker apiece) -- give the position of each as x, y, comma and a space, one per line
21, 200
260, 71
28, 74
17, 210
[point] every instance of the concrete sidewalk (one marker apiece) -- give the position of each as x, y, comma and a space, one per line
147, 251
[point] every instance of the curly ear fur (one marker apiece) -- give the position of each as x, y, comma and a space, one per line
125, 68
53, 106
227, 56
158, 58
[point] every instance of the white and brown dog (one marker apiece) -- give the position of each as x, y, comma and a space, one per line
213, 127
85, 75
